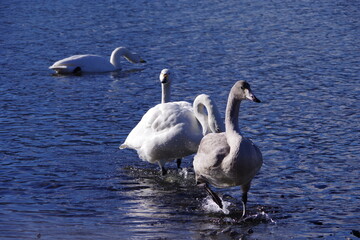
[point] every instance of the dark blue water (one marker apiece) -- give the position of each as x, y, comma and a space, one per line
62, 175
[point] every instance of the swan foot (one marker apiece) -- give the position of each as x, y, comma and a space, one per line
212, 194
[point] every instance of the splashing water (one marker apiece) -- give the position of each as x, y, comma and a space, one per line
210, 206
185, 173
260, 217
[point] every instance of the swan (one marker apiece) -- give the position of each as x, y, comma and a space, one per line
173, 130
228, 159
94, 63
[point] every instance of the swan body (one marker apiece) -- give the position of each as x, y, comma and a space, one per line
229, 159
93, 63
166, 132
173, 130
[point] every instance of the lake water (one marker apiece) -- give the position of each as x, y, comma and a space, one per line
62, 175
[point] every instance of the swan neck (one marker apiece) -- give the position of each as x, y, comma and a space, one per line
165, 93
210, 119
121, 52
232, 115
115, 58
200, 115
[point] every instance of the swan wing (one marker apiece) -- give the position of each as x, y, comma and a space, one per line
208, 161
212, 150
215, 164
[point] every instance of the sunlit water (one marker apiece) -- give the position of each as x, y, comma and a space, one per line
63, 177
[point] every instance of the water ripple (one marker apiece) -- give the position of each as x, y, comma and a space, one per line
63, 176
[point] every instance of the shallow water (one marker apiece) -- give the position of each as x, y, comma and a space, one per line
63, 177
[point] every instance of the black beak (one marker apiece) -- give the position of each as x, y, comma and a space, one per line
255, 99
165, 79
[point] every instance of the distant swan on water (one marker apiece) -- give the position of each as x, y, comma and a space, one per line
173, 130
95, 64
228, 159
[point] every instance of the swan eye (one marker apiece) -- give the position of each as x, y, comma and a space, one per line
242, 88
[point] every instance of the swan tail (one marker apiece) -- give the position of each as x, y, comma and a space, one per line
63, 68
122, 146
57, 67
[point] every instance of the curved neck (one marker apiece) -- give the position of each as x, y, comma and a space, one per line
165, 93
118, 53
232, 115
200, 115
210, 119
115, 58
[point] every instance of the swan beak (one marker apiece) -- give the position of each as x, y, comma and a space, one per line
255, 99
164, 78
251, 96
142, 61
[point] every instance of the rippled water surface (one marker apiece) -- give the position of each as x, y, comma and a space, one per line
62, 175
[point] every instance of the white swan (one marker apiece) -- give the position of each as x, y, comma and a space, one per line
228, 159
173, 130
95, 63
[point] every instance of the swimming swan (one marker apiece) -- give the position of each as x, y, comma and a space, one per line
94, 63
173, 130
228, 159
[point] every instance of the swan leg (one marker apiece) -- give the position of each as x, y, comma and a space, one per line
178, 163
245, 188
212, 194
244, 197
162, 168
244, 201
163, 171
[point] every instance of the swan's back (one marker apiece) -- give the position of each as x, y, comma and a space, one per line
87, 63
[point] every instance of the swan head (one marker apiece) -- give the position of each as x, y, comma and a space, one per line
165, 76
243, 91
129, 56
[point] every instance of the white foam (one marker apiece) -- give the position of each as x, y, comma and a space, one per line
210, 206
184, 173
260, 217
